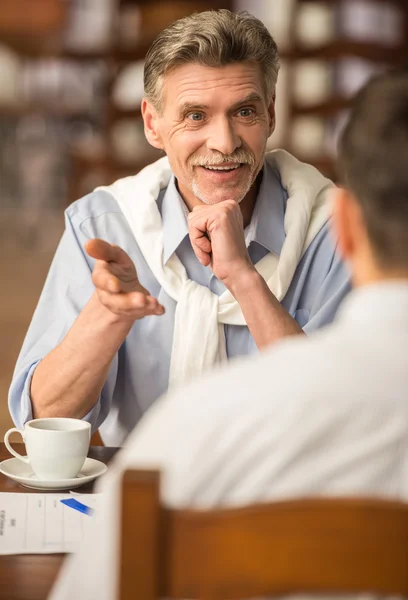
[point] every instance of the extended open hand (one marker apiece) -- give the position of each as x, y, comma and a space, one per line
117, 284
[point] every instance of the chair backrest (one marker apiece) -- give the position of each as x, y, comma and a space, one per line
331, 545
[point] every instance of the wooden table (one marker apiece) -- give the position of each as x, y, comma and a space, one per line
30, 576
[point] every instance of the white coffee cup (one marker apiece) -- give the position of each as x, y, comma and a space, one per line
56, 447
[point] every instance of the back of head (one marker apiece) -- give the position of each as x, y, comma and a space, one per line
213, 38
373, 165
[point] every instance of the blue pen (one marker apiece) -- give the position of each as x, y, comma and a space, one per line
72, 503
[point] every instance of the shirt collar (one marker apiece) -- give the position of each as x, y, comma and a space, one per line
174, 218
266, 227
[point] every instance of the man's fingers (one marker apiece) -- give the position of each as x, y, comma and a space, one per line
134, 305
101, 250
202, 247
200, 238
139, 300
115, 279
202, 242
104, 280
147, 303
114, 270
203, 257
105, 277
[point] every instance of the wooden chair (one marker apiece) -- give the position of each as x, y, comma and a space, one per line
298, 546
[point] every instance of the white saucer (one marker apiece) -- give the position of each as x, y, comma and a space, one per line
22, 473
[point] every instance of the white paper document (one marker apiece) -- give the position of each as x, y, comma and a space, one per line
41, 524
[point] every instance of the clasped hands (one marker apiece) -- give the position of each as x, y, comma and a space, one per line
217, 237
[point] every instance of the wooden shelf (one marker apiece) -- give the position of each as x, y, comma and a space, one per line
36, 19
51, 48
85, 55
115, 112
125, 55
346, 48
53, 110
330, 107
401, 3
26, 49
208, 3
32, 47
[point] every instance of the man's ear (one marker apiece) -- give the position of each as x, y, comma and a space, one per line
348, 223
271, 113
151, 124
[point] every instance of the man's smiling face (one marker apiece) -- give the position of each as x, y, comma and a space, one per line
214, 125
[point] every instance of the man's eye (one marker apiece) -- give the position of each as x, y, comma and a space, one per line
195, 116
246, 112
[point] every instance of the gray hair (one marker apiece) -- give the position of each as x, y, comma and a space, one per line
372, 163
213, 38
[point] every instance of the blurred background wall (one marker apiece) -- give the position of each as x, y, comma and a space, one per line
71, 86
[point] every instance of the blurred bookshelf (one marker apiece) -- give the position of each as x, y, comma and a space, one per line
332, 48
73, 82
61, 62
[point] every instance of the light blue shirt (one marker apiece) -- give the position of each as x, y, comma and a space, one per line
139, 372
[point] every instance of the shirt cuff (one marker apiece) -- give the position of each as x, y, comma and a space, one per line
26, 406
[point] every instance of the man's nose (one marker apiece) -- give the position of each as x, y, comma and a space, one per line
223, 137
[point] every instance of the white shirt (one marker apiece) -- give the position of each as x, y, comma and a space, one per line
254, 432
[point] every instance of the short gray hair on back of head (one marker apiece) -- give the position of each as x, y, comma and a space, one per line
214, 38
372, 163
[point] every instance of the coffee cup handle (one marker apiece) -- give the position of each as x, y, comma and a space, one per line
10, 448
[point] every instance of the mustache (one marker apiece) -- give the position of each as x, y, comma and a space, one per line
238, 157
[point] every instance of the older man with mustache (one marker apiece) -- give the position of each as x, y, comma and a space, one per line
215, 251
